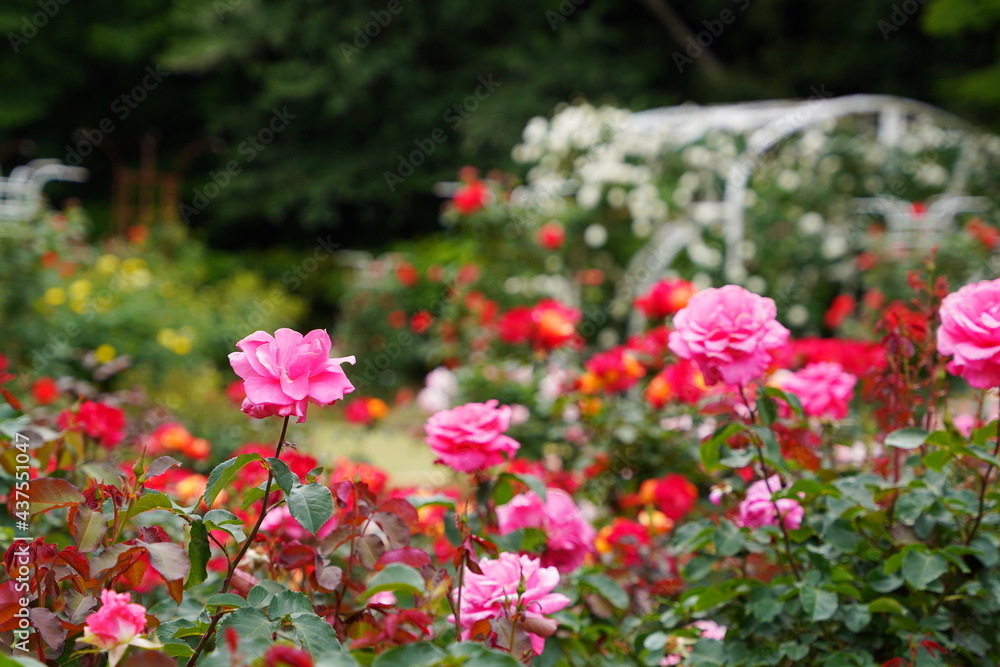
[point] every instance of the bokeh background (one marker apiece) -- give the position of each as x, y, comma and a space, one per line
250, 166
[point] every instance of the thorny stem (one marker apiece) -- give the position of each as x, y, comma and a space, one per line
233, 564
982, 491
767, 483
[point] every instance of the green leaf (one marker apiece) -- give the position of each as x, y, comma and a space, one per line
710, 448
283, 475
438, 500
250, 496
395, 577
856, 617
532, 482
728, 539
708, 653
226, 600
906, 438
764, 604
199, 552
607, 588
886, 605
316, 635
937, 459
159, 466
474, 654
151, 500
818, 603
311, 505
224, 473
288, 602
791, 399
169, 559
772, 451
249, 623
258, 596
89, 528
421, 654
225, 521
921, 568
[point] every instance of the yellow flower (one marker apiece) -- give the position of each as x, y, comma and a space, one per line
78, 305
165, 337
105, 354
78, 289
133, 264
181, 345
107, 264
55, 296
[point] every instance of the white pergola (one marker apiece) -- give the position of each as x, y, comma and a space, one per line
21, 193
766, 124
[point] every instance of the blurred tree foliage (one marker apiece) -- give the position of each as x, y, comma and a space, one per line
358, 105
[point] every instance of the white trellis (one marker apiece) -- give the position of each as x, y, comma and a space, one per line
21, 194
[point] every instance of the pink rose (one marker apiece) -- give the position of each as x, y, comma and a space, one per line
283, 373
516, 588
728, 331
711, 630
117, 622
117, 625
569, 536
757, 509
824, 389
970, 332
965, 424
470, 438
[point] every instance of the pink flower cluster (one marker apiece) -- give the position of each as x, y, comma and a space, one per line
569, 536
757, 509
283, 373
970, 332
729, 332
470, 438
824, 389
516, 588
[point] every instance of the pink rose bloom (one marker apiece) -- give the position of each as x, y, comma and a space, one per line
569, 536
824, 389
970, 332
757, 509
283, 373
117, 622
470, 438
117, 625
965, 424
711, 630
728, 332
512, 586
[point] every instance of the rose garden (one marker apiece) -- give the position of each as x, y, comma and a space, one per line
653, 462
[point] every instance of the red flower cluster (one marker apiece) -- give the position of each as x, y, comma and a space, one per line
471, 197
98, 420
547, 325
673, 495
616, 370
665, 298
174, 438
681, 381
365, 410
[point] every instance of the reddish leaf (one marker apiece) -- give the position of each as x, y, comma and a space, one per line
176, 589
370, 549
153, 535
394, 527
48, 493
169, 559
160, 466
10, 399
411, 556
326, 577
402, 509
50, 627
87, 527
10, 604
149, 659
295, 555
